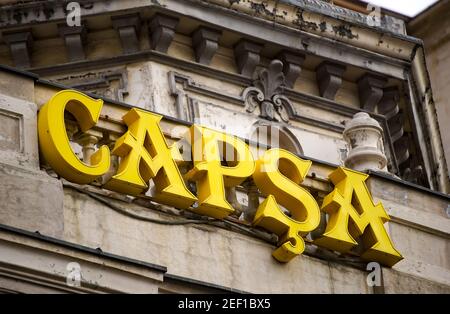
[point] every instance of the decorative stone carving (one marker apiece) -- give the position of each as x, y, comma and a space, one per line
205, 42
128, 26
329, 78
162, 30
291, 66
247, 56
74, 39
20, 44
370, 90
364, 137
267, 94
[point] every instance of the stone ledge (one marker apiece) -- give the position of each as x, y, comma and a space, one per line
26, 257
398, 282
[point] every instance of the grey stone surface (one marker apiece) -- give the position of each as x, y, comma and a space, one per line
16, 86
398, 282
31, 200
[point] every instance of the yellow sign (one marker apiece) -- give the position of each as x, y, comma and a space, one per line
145, 155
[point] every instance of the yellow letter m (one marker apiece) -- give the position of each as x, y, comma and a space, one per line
145, 155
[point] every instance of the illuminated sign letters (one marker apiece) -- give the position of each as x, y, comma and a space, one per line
220, 160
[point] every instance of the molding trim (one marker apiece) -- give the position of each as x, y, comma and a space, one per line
98, 82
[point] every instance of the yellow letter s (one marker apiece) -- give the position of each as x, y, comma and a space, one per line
278, 174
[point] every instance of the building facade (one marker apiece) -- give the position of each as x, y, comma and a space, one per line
433, 27
329, 83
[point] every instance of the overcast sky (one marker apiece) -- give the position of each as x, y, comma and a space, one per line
406, 7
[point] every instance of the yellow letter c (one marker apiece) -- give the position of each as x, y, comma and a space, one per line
54, 142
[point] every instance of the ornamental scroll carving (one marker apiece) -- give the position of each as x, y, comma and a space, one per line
267, 94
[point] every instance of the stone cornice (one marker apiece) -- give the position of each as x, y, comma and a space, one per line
37, 12
282, 34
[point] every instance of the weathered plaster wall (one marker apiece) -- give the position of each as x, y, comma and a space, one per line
234, 260
203, 252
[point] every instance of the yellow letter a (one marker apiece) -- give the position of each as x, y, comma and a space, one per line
145, 155
352, 211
